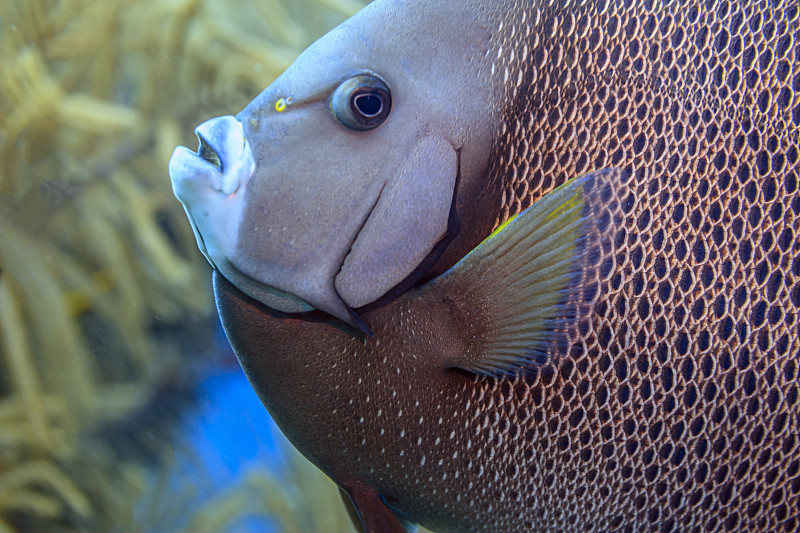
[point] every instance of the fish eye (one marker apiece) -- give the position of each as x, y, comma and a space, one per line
362, 102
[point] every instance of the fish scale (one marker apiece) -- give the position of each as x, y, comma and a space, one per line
676, 408
682, 409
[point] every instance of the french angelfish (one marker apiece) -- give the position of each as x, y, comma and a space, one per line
524, 266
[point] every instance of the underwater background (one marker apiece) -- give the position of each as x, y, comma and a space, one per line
121, 406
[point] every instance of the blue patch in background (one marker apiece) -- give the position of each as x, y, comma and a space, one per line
230, 428
225, 435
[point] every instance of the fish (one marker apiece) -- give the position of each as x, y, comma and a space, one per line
523, 266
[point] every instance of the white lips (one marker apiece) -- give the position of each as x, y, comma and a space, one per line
207, 191
190, 173
226, 136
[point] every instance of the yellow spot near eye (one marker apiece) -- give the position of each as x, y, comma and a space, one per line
280, 105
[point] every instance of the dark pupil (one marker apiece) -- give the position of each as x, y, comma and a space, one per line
368, 105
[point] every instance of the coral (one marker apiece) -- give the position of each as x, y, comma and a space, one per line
99, 271
295, 497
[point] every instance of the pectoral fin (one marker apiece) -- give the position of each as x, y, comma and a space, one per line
518, 298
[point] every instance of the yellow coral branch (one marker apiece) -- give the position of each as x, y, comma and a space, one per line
15, 480
65, 367
274, 58
343, 7
11, 410
96, 94
31, 502
150, 239
5, 527
19, 359
280, 23
91, 114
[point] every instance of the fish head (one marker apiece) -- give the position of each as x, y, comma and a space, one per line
337, 183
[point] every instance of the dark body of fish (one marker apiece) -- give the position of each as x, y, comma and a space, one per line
677, 408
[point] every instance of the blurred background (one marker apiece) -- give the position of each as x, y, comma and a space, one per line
121, 406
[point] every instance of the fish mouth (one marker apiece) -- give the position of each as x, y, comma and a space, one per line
223, 161
222, 166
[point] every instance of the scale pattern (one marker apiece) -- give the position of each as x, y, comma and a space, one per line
678, 410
